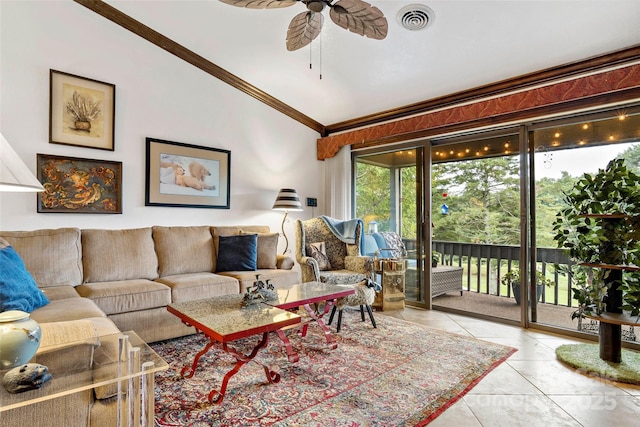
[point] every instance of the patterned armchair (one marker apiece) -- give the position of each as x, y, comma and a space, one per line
323, 257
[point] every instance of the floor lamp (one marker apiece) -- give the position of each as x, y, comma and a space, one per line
286, 201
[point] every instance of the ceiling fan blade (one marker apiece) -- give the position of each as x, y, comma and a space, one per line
303, 28
260, 4
361, 18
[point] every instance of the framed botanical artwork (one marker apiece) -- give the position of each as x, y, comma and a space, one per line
185, 175
74, 185
81, 111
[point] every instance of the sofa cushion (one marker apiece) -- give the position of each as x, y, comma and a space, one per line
112, 255
67, 309
187, 287
18, 290
183, 250
279, 278
52, 256
237, 253
126, 295
60, 292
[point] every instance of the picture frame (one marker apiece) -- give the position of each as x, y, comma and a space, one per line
185, 175
81, 111
77, 185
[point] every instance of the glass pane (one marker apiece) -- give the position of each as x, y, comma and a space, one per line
388, 199
562, 154
476, 222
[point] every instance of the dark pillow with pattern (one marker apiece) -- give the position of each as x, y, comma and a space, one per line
317, 251
237, 253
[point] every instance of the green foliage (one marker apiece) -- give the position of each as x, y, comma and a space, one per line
631, 289
513, 276
611, 191
601, 225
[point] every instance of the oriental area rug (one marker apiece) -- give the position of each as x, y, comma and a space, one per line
400, 374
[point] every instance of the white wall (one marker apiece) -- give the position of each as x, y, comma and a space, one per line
157, 95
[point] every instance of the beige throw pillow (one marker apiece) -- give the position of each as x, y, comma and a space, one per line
267, 250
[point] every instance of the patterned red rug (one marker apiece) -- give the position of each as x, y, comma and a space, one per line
399, 374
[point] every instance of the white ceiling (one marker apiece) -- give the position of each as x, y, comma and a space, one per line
469, 44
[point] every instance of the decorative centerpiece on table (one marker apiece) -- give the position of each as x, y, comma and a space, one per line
259, 292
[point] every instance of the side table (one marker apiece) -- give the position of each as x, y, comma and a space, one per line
392, 272
123, 361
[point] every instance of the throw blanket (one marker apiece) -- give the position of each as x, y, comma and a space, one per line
346, 230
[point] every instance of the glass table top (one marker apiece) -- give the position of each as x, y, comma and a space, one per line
307, 293
225, 319
81, 366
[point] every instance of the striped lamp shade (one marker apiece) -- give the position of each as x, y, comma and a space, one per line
287, 200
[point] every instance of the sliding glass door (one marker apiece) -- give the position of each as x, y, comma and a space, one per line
389, 197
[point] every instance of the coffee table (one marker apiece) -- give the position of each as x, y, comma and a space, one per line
303, 295
223, 319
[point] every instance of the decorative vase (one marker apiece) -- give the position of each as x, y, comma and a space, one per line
83, 125
19, 338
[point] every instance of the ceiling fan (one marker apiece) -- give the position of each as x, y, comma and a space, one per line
356, 16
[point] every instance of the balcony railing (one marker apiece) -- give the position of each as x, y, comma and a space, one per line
485, 265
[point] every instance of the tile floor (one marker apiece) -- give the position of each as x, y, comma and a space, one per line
532, 388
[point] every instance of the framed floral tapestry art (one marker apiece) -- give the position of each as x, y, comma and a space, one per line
74, 185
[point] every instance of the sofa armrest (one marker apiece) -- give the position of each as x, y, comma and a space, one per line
284, 262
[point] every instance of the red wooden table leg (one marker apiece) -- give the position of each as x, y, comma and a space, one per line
192, 369
216, 396
318, 319
291, 354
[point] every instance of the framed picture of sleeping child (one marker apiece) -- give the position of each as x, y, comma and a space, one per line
185, 175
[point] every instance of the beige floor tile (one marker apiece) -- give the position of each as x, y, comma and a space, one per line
518, 410
504, 380
602, 410
458, 415
552, 377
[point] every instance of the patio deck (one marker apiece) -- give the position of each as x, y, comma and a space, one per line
504, 308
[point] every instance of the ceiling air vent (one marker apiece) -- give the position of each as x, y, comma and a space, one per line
415, 17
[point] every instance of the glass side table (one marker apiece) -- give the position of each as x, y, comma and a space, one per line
121, 361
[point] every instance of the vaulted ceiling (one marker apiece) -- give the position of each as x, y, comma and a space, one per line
466, 44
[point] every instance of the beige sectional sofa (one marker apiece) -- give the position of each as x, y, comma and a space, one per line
121, 280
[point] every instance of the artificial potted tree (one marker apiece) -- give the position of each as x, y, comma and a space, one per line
600, 229
512, 278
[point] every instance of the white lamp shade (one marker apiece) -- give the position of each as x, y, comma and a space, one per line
14, 174
287, 200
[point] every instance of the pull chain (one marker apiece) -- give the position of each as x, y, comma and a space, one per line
321, 57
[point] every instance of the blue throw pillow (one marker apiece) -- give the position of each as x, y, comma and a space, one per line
18, 290
237, 253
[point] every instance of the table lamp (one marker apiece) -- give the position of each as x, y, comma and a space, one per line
286, 201
14, 174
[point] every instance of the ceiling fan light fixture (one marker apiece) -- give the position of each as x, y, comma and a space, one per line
316, 5
415, 17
